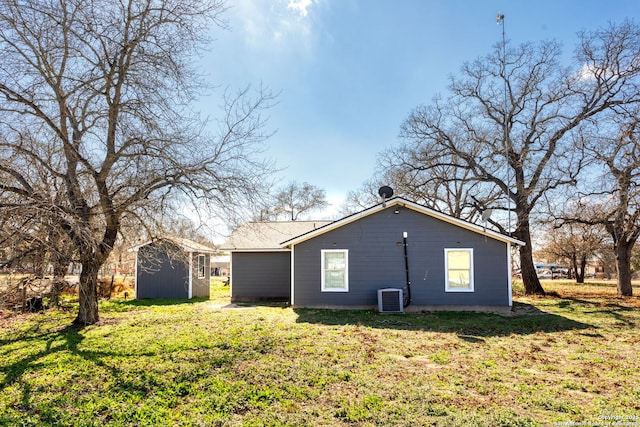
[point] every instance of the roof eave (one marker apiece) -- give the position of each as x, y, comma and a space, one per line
279, 249
408, 204
181, 244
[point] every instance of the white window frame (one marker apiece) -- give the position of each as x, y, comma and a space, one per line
471, 287
323, 252
202, 268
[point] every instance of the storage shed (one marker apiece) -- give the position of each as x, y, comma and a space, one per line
172, 268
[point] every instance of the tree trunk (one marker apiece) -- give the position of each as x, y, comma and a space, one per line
88, 293
583, 267
60, 269
530, 279
623, 265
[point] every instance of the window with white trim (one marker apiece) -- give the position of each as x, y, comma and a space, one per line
201, 267
335, 270
458, 265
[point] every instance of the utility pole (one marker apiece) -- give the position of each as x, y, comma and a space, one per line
505, 130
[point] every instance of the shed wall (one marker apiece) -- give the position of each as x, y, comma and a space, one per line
161, 274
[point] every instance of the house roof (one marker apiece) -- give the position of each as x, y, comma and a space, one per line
184, 244
294, 240
268, 236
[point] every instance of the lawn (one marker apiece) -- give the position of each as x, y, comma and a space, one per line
568, 359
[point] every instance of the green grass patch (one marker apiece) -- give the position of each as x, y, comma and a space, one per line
567, 359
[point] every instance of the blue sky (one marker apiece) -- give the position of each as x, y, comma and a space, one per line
350, 71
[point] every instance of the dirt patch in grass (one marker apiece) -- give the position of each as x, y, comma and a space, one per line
526, 309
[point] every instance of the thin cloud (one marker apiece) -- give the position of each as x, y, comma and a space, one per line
300, 6
277, 25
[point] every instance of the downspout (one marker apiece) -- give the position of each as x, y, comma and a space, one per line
190, 275
407, 299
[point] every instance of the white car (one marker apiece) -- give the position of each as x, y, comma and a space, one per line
545, 274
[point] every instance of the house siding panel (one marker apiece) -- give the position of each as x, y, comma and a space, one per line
260, 276
376, 260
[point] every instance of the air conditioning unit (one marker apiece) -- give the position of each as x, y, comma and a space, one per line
390, 300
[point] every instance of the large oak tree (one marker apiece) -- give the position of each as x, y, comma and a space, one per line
510, 118
611, 197
295, 199
97, 94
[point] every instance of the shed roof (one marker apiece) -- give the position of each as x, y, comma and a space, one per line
268, 236
184, 244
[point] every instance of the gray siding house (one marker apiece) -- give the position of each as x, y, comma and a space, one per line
450, 264
172, 268
260, 266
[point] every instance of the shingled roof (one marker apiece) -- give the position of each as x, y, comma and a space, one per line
268, 236
184, 244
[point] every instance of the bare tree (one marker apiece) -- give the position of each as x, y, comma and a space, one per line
448, 190
574, 244
31, 240
363, 197
295, 199
612, 199
442, 187
510, 118
33, 228
105, 87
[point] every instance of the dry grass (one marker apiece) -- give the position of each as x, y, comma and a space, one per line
571, 359
595, 290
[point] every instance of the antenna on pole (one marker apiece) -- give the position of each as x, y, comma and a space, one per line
505, 130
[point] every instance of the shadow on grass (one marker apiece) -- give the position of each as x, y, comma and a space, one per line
269, 304
65, 339
620, 313
467, 325
157, 302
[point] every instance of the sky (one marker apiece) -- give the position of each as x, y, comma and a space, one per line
349, 72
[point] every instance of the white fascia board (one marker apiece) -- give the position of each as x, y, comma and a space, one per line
259, 250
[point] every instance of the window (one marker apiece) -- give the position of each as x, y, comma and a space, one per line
201, 267
458, 264
335, 270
